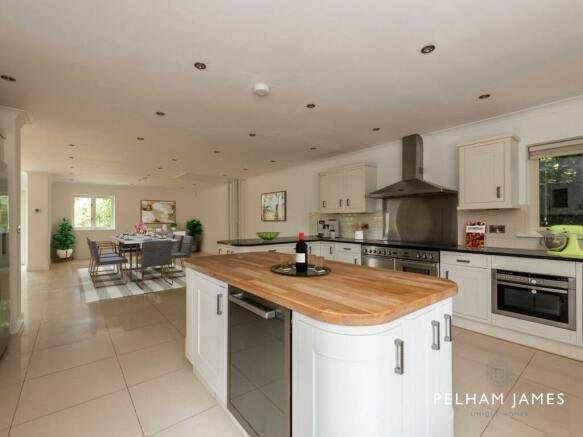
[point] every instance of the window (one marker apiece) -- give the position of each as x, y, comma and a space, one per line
93, 212
558, 168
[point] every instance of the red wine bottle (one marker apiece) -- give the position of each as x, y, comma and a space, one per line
301, 255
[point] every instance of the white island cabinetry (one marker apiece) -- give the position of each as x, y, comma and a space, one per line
383, 380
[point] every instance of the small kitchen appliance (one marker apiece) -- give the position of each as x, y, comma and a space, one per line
328, 228
562, 240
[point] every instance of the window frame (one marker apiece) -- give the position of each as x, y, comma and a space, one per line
93, 198
533, 189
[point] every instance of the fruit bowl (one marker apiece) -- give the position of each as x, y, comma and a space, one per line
267, 235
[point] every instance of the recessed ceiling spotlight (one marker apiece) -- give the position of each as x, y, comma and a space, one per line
71, 145
261, 89
71, 157
272, 160
160, 113
140, 138
174, 159
72, 166
8, 78
313, 148
376, 129
251, 134
310, 105
194, 185
245, 169
484, 96
160, 168
216, 152
200, 65
427, 49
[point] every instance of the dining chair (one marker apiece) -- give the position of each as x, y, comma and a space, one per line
100, 257
184, 251
156, 254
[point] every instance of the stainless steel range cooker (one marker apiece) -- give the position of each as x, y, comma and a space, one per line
425, 262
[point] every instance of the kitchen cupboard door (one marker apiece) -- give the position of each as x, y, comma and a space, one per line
314, 249
327, 250
474, 291
488, 173
345, 385
347, 257
355, 189
331, 191
190, 302
440, 382
210, 334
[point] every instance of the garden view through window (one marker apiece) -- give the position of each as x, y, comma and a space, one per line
93, 212
561, 190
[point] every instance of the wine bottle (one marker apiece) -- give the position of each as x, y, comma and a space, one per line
301, 255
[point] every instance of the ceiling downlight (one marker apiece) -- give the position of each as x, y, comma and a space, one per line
430, 48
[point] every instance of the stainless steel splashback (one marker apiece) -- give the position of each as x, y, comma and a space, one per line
421, 219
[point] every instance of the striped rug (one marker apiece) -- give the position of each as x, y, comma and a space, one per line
110, 286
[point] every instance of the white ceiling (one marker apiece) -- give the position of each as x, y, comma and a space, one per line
94, 73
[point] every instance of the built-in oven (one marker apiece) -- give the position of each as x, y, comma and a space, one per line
259, 365
421, 267
546, 299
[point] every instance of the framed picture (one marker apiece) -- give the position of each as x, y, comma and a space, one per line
158, 211
273, 207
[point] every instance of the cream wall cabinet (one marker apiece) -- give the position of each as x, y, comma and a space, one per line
488, 174
345, 189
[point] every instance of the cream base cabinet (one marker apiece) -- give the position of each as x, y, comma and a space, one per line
374, 381
345, 189
488, 174
206, 332
473, 277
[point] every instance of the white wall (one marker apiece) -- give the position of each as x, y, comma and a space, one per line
127, 208
39, 221
214, 216
550, 122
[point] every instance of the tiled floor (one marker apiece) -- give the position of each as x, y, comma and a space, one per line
117, 368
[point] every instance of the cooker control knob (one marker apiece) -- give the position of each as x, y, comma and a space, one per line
424, 256
417, 255
533, 281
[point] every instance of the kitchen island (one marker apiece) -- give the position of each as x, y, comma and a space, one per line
370, 350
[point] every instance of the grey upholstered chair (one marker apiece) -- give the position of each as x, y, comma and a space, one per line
184, 251
156, 254
99, 257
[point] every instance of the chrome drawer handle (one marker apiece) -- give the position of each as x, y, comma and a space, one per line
436, 344
219, 306
447, 336
399, 358
467, 261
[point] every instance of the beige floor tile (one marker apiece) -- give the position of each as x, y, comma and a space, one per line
475, 378
58, 358
144, 316
59, 332
167, 400
140, 338
51, 393
557, 372
212, 422
558, 420
455, 331
154, 361
13, 365
180, 324
471, 420
505, 426
487, 350
109, 416
8, 398
124, 305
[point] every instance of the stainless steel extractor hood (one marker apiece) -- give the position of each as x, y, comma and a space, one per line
412, 183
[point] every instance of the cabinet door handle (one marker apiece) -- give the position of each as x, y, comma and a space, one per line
436, 344
220, 250
399, 357
465, 261
355, 260
310, 250
330, 250
219, 306
347, 202
447, 274
323, 204
340, 203
498, 192
447, 336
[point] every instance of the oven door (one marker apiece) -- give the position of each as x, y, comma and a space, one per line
378, 261
546, 305
421, 267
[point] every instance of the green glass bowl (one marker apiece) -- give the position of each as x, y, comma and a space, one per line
267, 235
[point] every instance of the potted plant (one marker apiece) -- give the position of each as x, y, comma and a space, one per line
64, 239
194, 228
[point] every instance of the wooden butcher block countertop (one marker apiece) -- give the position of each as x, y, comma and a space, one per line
349, 295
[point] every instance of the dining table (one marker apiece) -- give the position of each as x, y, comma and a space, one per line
133, 243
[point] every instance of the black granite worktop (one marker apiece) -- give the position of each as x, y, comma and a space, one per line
527, 253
